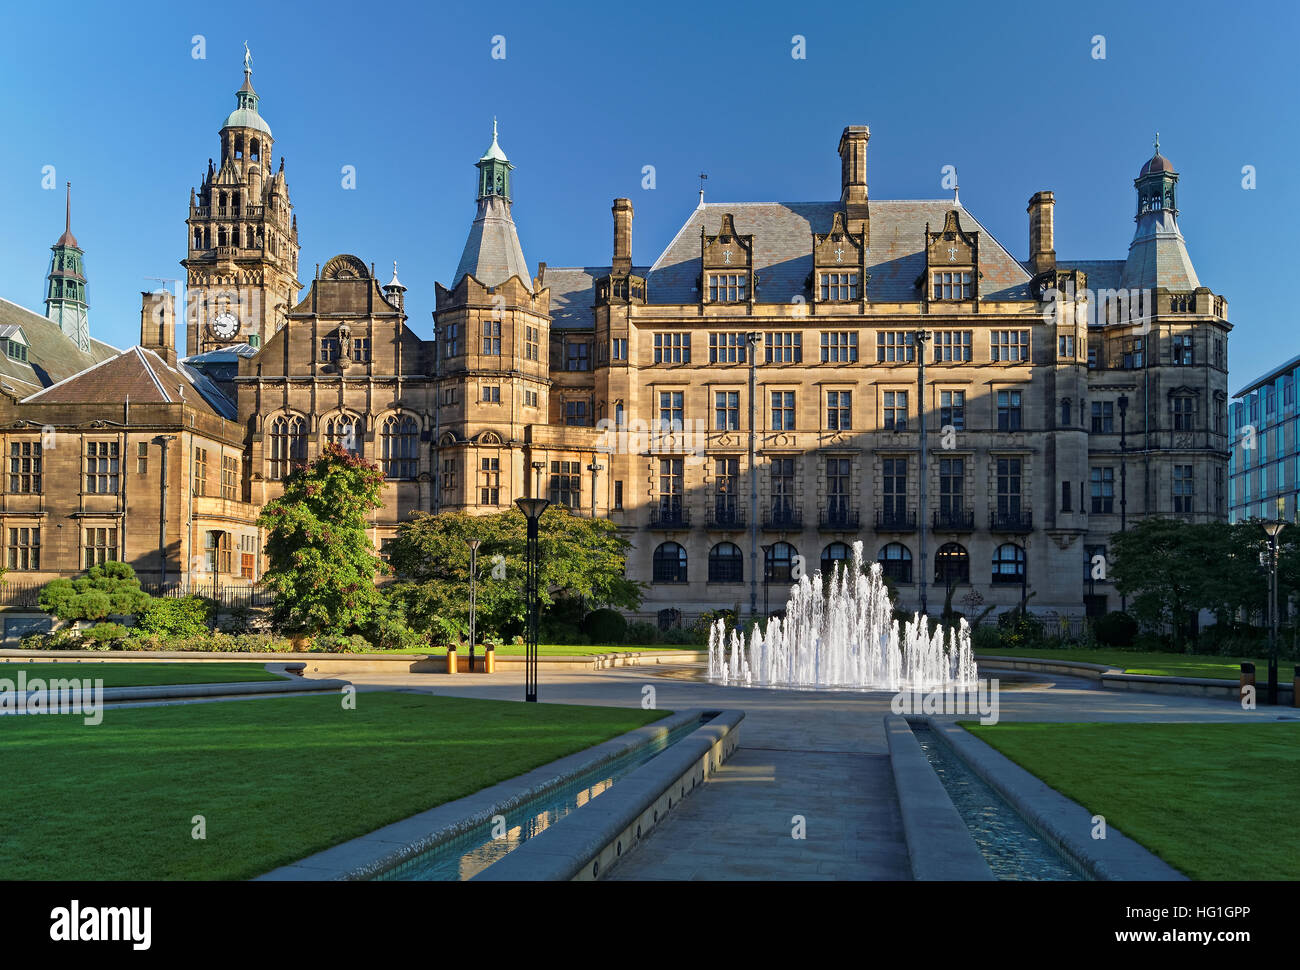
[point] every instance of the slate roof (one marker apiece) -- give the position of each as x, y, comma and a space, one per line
141, 376
1103, 274
573, 294
492, 253
51, 354
782, 234
1158, 256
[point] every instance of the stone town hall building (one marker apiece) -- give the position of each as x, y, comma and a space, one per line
623, 391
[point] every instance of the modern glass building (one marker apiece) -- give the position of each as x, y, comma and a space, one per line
1264, 466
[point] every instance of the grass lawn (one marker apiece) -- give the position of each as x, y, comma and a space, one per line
1216, 801
144, 674
1155, 662
276, 780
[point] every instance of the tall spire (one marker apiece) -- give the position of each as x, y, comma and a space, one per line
1158, 255
65, 288
492, 252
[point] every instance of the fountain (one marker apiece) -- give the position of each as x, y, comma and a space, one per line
843, 635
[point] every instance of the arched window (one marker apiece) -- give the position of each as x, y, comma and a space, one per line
778, 562
951, 564
399, 439
255, 150
836, 552
726, 563
288, 445
1009, 564
896, 561
1065, 413
344, 431
198, 238
221, 235
248, 238
670, 563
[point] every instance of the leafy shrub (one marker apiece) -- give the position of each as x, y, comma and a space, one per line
553, 631
105, 632
986, 639
1020, 629
339, 643
175, 616
109, 589
1115, 629
641, 632
605, 626
681, 636
216, 642
701, 626
66, 639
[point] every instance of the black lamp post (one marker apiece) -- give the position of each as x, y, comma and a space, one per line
532, 509
1273, 529
1123, 478
473, 595
919, 338
767, 578
753, 340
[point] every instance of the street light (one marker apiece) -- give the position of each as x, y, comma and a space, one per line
767, 579
753, 340
1273, 529
473, 595
532, 509
919, 337
594, 468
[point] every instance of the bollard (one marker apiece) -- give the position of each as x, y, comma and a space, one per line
451, 661
1247, 678
489, 660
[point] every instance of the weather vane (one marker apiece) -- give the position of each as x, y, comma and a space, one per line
248, 59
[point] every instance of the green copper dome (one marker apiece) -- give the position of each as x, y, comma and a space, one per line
245, 115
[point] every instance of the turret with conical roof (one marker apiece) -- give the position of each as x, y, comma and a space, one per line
65, 290
1158, 257
492, 252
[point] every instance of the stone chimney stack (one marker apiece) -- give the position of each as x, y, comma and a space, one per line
622, 237
158, 324
853, 176
1042, 254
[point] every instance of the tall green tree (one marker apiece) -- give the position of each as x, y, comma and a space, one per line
1166, 567
320, 562
582, 561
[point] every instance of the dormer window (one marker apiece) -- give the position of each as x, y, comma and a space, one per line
727, 287
15, 351
951, 285
839, 286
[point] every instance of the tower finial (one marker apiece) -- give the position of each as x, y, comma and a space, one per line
494, 127
1157, 143
248, 59
67, 216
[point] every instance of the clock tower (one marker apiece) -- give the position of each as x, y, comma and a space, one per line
242, 262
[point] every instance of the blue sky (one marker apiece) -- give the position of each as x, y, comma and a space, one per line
588, 95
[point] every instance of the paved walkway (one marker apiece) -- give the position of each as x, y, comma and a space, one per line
819, 755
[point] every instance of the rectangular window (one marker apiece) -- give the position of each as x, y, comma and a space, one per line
1065, 497
533, 343
1009, 345
952, 476
449, 396
101, 466
952, 346
1103, 490
670, 488
1184, 413
618, 348
141, 457
246, 565
840, 347
1065, 345
200, 471
952, 286
329, 350
726, 487
229, 477
618, 495
16, 351
839, 286
576, 353
101, 547
25, 466
782, 411
25, 548
1009, 410
671, 414
491, 393
838, 487
361, 349
1182, 351
492, 337
530, 399
952, 409
1092, 358
1008, 482
566, 483
839, 410
726, 348
1132, 352
1103, 417
489, 483
893, 346
672, 348
895, 411
1183, 493
451, 341
726, 410
895, 488
783, 503
575, 413
448, 482
727, 287
784, 347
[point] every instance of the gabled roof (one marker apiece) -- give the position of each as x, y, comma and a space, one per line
140, 376
783, 250
573, 294
51, 354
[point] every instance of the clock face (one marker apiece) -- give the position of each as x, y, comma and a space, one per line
226, 325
